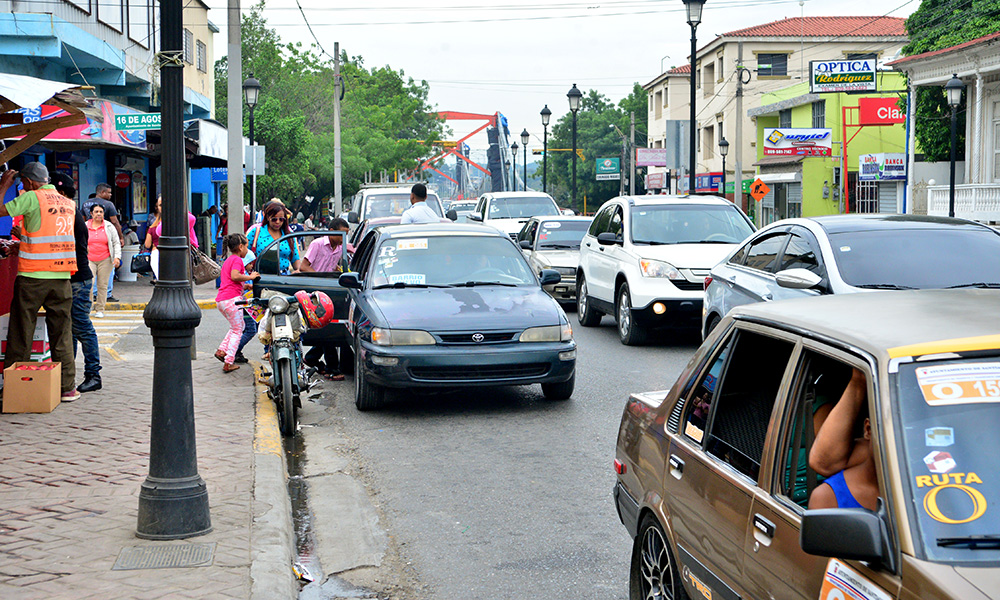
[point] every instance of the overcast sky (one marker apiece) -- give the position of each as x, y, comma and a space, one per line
515, 56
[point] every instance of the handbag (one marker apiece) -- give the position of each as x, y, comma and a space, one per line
203, 268
140, 263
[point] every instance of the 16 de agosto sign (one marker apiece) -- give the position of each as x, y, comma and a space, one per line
828, 76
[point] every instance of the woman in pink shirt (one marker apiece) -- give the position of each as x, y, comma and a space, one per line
104, 251
231, 290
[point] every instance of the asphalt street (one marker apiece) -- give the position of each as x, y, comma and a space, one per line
497, 492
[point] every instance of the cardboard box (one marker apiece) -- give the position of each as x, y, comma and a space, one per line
32, 388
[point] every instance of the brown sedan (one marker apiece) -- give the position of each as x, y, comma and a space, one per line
835, 448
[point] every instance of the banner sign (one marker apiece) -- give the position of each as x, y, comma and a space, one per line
829, 76
650, 157
879, 111
608, 169
798, 142
882, 167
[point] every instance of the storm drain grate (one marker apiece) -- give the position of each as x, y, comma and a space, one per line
165, 557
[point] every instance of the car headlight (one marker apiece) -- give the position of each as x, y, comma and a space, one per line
551, 333
658, 268
401, 337
277, 304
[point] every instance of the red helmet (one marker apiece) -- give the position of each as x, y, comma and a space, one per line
317, 307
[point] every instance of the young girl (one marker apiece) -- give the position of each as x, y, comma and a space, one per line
231, 290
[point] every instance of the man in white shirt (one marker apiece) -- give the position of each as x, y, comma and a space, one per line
419, 212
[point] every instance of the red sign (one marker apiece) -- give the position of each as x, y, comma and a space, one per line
123, 180
879, 111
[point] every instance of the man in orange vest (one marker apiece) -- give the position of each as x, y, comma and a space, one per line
47, 259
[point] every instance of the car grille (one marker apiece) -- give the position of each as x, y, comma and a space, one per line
479, 372
688, 286
489, 337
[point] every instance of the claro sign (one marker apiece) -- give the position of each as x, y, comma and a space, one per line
879, 111
828, 76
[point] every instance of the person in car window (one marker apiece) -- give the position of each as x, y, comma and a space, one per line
846, 459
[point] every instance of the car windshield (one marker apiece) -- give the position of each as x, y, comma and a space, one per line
393, 205
561, 235
522, 207
688, 224
449, 261
948, 411
918, 258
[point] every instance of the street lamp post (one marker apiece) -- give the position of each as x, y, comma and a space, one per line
574, 95
694, 8
173, 500
251, 91
546, 115
724, 150
953, 89
513, 172
525, 138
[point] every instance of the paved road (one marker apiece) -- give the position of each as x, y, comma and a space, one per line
498, 493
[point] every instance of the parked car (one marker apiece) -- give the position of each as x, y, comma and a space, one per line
844, 254
385, 201
714, 476
645, 259
449, 305
554, 243
509, 211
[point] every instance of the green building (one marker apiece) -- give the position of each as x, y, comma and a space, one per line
803, 165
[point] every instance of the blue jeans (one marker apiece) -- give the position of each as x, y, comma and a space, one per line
83, 329
249, 330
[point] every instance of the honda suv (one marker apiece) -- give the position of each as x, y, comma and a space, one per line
645, 259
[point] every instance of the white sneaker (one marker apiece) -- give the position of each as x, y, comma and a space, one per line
99, 315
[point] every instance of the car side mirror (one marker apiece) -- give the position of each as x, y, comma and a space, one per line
608, 239
452, 214
350, 281
475, 217
352, 217
797, 279
550, 276
850, 533
525, 244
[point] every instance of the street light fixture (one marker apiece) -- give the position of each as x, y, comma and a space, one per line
694, 8
724, 150
546, 115
525, 138
251, 92
954, 90
513, 172
574, 95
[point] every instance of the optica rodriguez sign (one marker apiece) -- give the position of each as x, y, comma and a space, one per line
827, 76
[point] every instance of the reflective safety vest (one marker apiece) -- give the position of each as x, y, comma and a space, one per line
53, 246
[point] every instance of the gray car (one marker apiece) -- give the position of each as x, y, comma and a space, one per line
843, 254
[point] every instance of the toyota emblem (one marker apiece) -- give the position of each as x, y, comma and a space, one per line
478, 337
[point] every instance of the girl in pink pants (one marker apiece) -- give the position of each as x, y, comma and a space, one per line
231, 290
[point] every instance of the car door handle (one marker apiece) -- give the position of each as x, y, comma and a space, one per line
763, 530
676, 466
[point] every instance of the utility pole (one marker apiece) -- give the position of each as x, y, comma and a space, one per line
738, 162
234, 96
338, 89
631, 156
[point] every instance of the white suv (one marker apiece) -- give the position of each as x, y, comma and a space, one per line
509, 211
645, 259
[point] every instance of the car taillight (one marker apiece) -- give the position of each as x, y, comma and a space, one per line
619, 467
708, 281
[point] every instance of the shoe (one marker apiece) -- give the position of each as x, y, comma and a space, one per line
99, 315
240, 359
91, 383
113, 299
70, 396
219, 354
229, 368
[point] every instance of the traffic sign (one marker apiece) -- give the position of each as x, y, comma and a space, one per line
137, 121
759, 189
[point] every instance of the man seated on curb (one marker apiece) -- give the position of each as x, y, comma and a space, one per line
323, 256
844, 458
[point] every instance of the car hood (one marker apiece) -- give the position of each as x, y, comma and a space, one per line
482, 308
558, 258
687, 256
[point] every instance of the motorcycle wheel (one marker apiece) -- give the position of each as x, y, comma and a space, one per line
286, 408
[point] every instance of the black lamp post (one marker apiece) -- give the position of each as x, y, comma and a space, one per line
251, 91
173, 500
546, 115
574, 95
694, 8
953, 89
724, 150
513, 172
525, 138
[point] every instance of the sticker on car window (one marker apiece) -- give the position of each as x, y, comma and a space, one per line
418, 244
946, 385
939, 437
841, 582
408, 278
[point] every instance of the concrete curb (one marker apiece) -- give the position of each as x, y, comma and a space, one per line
272, 540
113, 306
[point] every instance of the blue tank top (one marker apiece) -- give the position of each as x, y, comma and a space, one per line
845, 499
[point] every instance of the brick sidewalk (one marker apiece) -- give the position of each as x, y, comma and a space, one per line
70, 479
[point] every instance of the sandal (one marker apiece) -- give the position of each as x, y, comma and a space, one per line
229, 368
219, 354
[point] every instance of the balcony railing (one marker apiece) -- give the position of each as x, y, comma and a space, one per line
975, 201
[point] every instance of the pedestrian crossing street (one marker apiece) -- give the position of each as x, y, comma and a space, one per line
114, 325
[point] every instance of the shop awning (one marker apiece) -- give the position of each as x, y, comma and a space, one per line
21, 95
